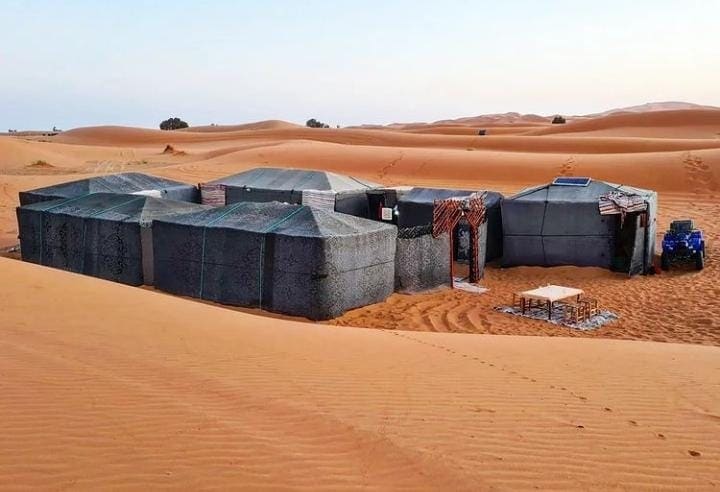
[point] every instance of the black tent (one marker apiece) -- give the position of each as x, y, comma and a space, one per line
415, 208
318, 189
561, 224
105, 235
291, 259
132, 183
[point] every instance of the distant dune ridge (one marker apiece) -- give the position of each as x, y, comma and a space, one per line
109, 386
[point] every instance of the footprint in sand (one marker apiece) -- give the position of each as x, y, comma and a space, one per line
698, 174
568, 166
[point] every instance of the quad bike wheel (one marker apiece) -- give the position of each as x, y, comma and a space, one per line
664, 261
699, 260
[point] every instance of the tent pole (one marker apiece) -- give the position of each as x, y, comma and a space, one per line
452, 264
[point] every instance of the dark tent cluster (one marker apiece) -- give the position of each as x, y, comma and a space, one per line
285, 258
128, 183
559, 224
320, 189
103, 234
316, 244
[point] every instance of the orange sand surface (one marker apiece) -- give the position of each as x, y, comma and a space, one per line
108, 386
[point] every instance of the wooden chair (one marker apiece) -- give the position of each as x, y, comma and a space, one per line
574, 312
592, 306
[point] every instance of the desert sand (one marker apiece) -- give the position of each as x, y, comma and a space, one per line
109, 386
112, 386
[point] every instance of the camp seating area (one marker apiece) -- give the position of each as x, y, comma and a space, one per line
572, 303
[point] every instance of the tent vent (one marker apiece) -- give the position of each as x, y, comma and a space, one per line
571, 181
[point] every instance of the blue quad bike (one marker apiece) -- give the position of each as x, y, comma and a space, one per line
683, 244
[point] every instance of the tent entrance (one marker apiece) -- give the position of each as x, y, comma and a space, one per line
447, 216
629, 243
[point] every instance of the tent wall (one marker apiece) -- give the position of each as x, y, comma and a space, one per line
102, 248
113, 251
102, 234
237, 194
352, 203
421, 262
560, 225
291, 271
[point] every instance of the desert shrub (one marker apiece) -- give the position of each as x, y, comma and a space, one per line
558, 120
313, 123
173, 124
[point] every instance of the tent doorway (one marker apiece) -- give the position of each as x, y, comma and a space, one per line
629, 243
447, 217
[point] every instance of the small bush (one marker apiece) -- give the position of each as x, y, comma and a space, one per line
173, 124
313, 123
558, 120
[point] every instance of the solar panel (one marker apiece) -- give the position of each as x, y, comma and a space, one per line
571, 181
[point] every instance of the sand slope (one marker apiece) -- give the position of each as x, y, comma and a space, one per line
139, 389
687, 123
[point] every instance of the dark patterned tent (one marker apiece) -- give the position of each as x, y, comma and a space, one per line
319, 189
104, 235
291, 259
133, 183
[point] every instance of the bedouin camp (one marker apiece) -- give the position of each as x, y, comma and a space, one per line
319, 189
105, 235
292, 259
582, 222
130, 183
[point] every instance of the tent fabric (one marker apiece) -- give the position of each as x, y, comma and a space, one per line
105, 235
286, 258
554, 225
415, 208
422, 262
296, 186
114, 183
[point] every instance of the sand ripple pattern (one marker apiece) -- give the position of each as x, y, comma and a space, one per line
161, 392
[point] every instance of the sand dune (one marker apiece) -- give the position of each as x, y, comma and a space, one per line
107, 386
139, 389
654, 106
258, 125
694, 123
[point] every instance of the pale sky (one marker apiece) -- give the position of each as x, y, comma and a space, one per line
81, 62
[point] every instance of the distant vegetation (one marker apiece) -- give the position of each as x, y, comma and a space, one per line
558, 120
173, 124
313, 123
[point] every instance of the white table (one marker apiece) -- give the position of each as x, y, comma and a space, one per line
550, 294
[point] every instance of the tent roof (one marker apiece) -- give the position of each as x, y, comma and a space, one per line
578, 194
281, 218
429, 195
115, 206
111, 183
273, 178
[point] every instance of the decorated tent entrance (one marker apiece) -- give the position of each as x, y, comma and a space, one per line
447, 215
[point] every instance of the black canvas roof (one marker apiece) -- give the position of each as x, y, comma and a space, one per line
281, 218
115, 206
272, 178
579, 194
112, 183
